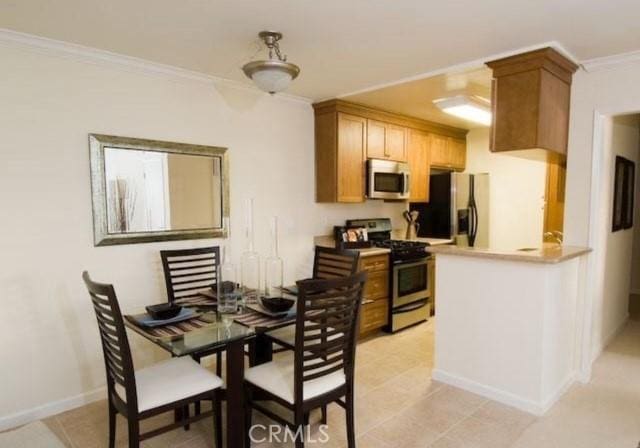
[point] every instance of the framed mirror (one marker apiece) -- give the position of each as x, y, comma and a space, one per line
147, 190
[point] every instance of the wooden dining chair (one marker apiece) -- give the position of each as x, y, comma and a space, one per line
331, 263
321, 368
170, 385
186, 273
328, 263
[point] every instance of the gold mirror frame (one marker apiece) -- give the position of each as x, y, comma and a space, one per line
101, 236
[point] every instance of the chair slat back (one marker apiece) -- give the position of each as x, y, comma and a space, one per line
334, 263
326, 328
115, 345
187, 271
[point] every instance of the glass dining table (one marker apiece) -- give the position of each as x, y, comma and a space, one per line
212, 336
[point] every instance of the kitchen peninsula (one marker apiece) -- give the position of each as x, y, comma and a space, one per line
508, 322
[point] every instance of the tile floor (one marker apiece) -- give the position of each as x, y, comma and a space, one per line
399, 406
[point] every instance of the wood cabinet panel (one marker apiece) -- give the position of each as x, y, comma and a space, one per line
448, 152
373, 263
418, 156
439, 150
458, 151
554, 200
531, 101
373, 316
375, 139
375, 296
377, 285
351, 158
386, 141
395, 143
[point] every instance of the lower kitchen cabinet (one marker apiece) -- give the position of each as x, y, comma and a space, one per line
374, 315
375, 297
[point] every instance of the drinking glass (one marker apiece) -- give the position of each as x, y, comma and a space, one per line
228, 293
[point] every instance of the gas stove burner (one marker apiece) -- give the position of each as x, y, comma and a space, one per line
403, 251
399, 244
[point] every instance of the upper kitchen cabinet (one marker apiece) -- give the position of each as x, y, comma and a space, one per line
419, 156
531, 96
386, 141
448, 152
347, 134
340, 157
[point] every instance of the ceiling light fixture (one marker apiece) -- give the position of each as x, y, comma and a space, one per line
273, 75
466, 107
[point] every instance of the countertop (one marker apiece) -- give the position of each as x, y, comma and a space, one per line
328, 241
548, 254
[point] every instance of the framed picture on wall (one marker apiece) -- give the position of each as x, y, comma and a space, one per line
623, 194
629, 187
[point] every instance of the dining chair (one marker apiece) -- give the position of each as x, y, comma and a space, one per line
321, 368
170, 385
328, 263
189, 271
186, 273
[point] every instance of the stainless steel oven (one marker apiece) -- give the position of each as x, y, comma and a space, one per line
387, 179
411, 290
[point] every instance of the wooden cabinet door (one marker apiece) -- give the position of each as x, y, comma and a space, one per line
439, 148
376, 136
458, 153
386, 141
395, 143
554, 200
352, 134
419, 160
373, 316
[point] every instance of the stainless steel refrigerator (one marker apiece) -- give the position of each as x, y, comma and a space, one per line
458, 208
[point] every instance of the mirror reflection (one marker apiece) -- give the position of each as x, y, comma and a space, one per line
150, 191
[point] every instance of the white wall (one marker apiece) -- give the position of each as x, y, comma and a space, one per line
517, 188
621, 137
610, 90
635, 257
50, 348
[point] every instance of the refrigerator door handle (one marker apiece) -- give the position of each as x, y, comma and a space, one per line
473, 224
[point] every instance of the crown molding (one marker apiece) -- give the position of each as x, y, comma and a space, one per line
610, 62
81, 53
465, 66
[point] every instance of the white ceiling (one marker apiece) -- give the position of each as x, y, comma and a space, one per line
415, 98
342, 46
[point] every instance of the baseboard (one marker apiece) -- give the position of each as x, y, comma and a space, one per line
49, 409
609, 338
559, 392
501, 396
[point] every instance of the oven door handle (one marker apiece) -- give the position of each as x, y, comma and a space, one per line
412, 307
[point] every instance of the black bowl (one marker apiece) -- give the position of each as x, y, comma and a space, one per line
164, 311
277, 304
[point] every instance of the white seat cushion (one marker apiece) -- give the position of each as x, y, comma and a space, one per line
277, 377
169, 381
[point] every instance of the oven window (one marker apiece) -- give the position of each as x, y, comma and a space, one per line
388, 182
412, 279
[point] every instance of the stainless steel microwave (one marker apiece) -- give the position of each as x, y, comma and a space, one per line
387, 179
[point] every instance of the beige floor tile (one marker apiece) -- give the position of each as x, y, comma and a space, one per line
476, 433
402, 432
399, 406
446, 442
56, 427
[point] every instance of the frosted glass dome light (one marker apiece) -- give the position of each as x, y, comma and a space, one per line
273, 75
